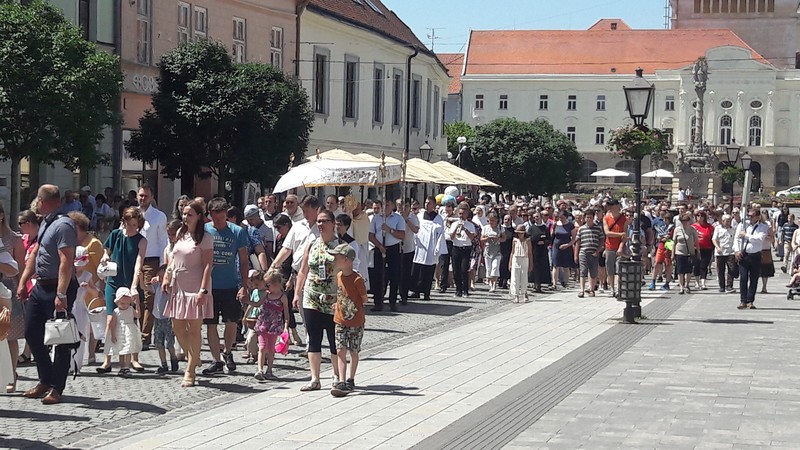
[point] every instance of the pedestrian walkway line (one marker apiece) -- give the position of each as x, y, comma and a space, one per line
503, 418
405, 394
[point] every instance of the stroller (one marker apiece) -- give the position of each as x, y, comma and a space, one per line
794, 283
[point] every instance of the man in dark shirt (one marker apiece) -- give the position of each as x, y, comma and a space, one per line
54, 293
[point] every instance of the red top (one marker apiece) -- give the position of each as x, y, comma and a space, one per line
615, 226
704, 234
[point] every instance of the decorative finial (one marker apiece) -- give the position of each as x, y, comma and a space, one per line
291, 161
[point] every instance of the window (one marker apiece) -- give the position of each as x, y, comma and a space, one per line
572, 103
571, 134
321, 68
589, 167
601, 102
143, 31
428, 99
670, 132
350, 87
276, 48
725, 128
669, 103
754, 132
200, 22
503, 101
377, 94
625, 166
416, 102
184, 23
374, 7
478, 101
600, 136
543, 102
436, 101
726, 104
782, 174
397, 98
239, 40
669, 167
756, 104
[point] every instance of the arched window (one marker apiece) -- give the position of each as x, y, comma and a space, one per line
627, 166
755, 168
754, 132
725, 130
782, 175
669, 167
589, 167
726, 187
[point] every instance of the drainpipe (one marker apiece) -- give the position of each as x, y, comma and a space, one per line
116, 137
301, 6
408, 113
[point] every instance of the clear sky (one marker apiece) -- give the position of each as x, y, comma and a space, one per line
454, 18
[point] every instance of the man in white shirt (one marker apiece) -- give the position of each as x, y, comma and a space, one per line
332, 204
155, 231
429, 245
448, 217
301, 233
748, 243
408, 247
386, 232
462, 232
291, 207
265, 232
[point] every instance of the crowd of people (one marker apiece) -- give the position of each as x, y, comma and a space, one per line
135, 277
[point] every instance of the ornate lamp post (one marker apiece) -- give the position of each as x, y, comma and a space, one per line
425, 151
639, 97
463, 151
748, 181
733, 149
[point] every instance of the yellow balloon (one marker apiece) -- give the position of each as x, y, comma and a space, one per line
439, 199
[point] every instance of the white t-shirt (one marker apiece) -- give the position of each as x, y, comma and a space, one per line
296, 241
409, 244
461, 239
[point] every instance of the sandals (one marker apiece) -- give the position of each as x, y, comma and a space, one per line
24, 360
136, 366
311, 386
591, 293
580, 294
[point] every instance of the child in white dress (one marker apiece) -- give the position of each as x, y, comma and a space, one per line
123, 337
521, 260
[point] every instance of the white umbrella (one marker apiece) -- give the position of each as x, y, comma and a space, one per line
330, 172
658, 173
610, 173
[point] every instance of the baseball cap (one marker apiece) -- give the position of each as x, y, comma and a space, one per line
250, 211
345, 250
86, 188
81, 256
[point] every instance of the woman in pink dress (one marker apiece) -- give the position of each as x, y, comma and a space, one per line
188, 282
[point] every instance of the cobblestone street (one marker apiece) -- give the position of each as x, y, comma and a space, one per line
105, 407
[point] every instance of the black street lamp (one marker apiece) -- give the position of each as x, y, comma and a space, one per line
425, 151
639, 98
746, 161
733, 149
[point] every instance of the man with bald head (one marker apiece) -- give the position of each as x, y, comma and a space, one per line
291, 207
54, 292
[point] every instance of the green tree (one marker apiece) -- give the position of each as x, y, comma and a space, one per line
58, 92
453, 131
240, 121
526, 157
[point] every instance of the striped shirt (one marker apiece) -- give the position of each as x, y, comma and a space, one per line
590, 238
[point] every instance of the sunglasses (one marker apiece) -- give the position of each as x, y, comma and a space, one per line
323, 221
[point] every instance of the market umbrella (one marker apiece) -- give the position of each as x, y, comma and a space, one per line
331, 172
610, 173
658, 173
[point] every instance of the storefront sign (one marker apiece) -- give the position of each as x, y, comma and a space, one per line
140, 79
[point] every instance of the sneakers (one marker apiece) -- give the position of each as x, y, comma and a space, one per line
173, 365
340, 389
259, 376
124, 373
665, 287
652, 286
351, 384
162, 369
334, 381
214, 367
229, 364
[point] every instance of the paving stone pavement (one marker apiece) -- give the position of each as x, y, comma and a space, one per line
708, 377
103, 408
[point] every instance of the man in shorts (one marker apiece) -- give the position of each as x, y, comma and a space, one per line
230, 241
348, 316
614, 229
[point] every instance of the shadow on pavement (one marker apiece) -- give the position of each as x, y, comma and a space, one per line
440, 310
737, 321
108, 405
374, 358
384, 389
39, 417
779, 309
229, 387
23, 443
383, 330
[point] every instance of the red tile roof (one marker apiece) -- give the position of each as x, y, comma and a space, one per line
358, 12
592, 52
609, 24
455, 64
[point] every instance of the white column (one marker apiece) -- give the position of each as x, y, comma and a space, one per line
740, 127
710, 124
793, 123
769, 123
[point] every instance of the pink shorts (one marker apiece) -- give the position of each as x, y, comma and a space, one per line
266, 341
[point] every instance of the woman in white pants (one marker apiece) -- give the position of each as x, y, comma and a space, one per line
491, 237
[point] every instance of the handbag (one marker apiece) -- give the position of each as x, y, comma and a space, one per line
61, 331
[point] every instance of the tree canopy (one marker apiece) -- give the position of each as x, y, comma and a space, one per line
58, 92
240, 121
526, 157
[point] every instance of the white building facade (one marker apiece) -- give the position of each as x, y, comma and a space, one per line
353, 64
747, 100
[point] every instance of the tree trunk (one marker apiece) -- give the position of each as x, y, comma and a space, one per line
16, 185
221, 178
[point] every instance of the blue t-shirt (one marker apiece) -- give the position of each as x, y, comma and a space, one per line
227, 243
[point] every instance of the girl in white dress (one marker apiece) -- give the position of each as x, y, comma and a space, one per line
123, 335
521, 260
